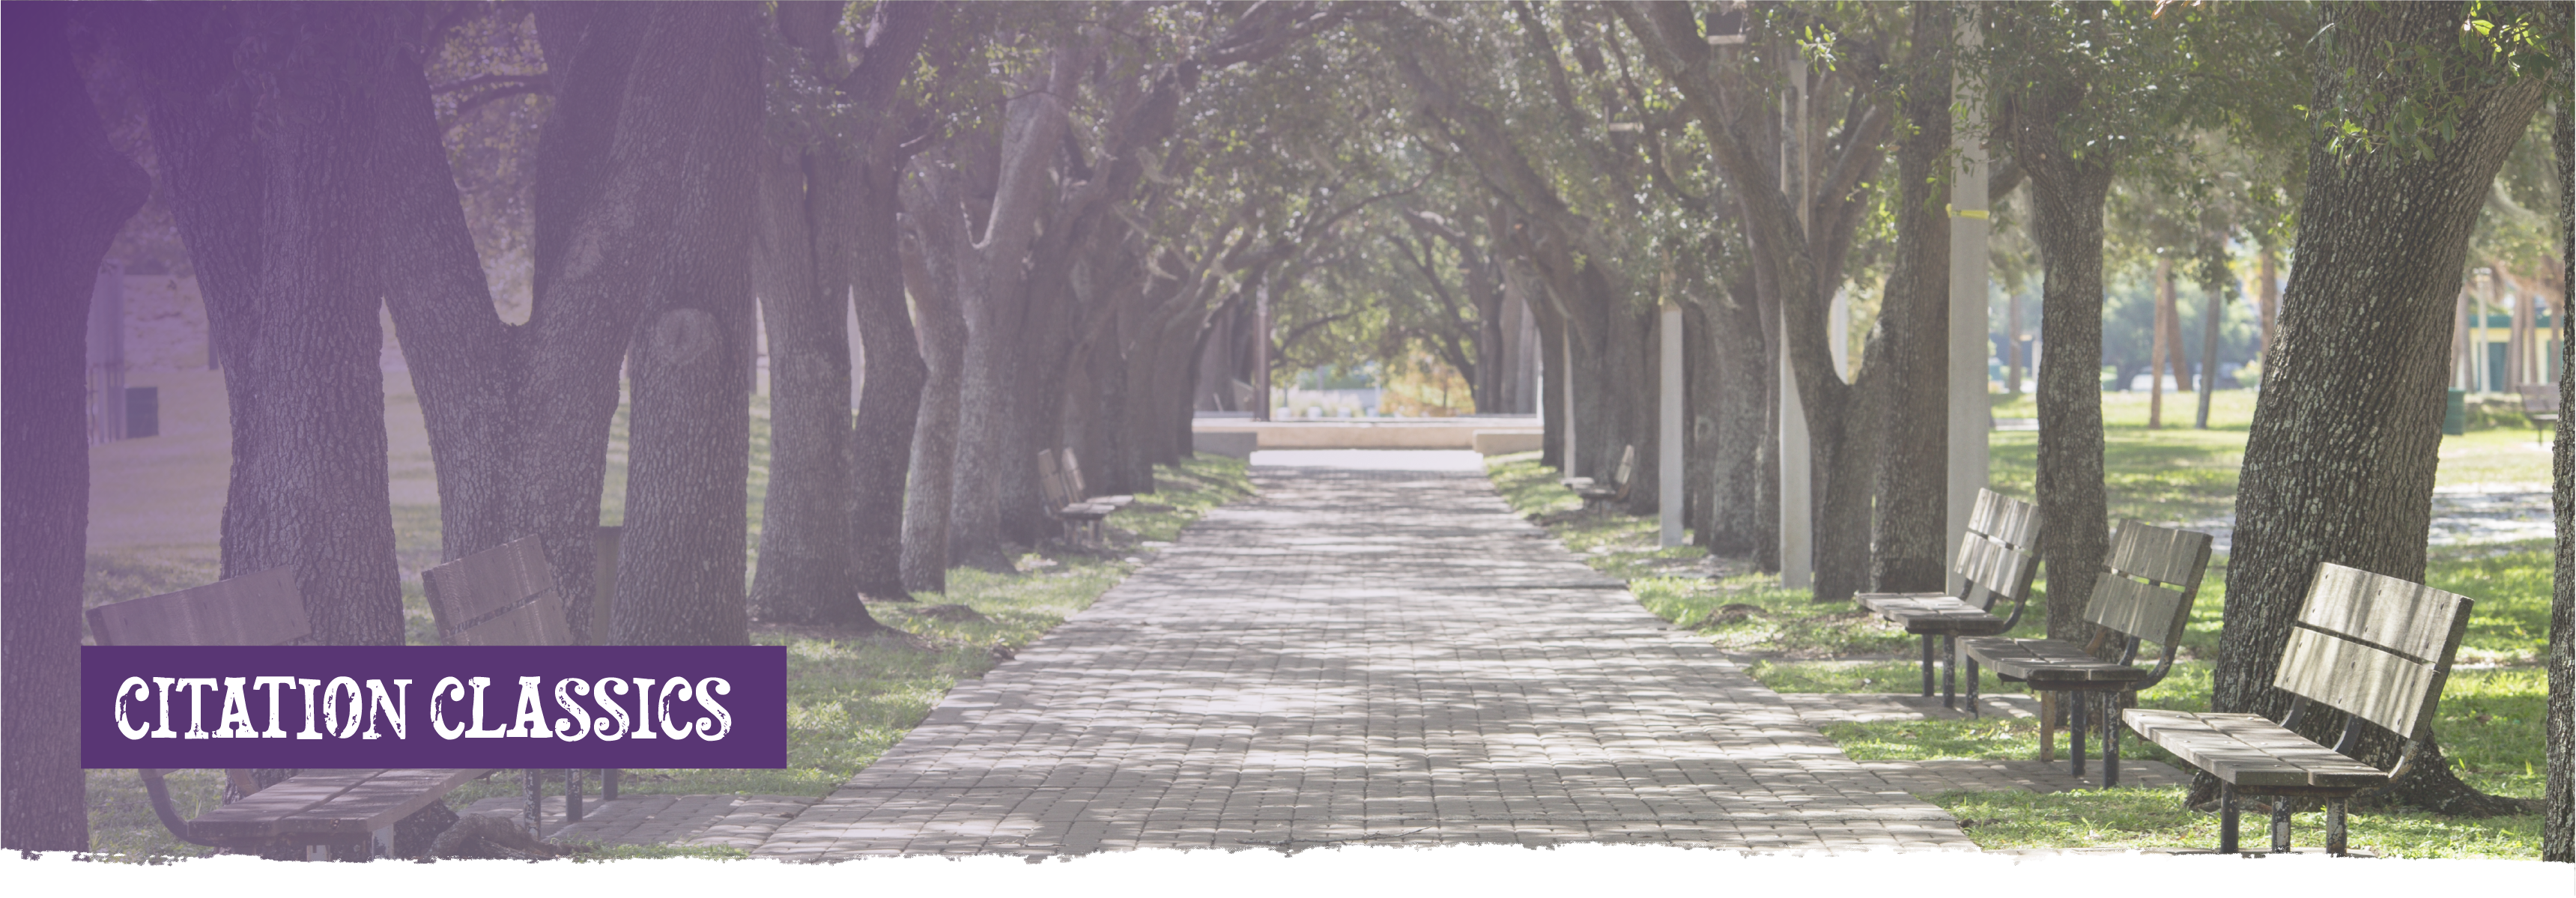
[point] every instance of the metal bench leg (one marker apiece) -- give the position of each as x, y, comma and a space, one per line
2280, 825
2227, 818
1949, 672
2075, 732
536, 803
2335, 841
1972, 687
1927, 665
572, 796
2110, 739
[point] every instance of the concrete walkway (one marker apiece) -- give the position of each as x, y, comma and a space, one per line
1362, 655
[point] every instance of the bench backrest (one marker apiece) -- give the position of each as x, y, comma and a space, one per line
2538, 398
1074, 488
2148, 582
498, 596
1051, 480
1999, 552
1627, 469
2376, 647
253, 609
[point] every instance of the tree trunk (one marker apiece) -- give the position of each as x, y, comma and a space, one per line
2161, 348
2350, 419
2067, 194
931, 256
680, 566
801, 259
1909, 535
2271, 300
1736, 525
994, 299
69, 193
2215, 293
890, 404
235, 204
2558, 800
1551, 404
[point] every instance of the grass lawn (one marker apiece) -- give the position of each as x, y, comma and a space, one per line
156, 514
2491, 715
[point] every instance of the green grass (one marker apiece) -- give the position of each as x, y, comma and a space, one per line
2490, 721
1183, 493
2156, 818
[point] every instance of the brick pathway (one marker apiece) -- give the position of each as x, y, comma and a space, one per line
1362, 655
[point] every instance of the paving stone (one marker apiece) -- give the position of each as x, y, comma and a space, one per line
1364, 655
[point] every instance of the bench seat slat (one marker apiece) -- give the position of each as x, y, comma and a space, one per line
382, 799
257, 816
2045, 661
1932, 613
2250, 751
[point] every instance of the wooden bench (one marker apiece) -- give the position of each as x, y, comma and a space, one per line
1997, 557
1064, 504
1615, 491
2540, 407
348, 812
506, 596
2143, 594
2377, 648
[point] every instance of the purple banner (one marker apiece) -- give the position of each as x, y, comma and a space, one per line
434, 706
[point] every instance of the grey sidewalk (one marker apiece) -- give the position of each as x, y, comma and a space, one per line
1362, 655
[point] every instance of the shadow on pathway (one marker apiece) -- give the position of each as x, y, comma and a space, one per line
1361, 654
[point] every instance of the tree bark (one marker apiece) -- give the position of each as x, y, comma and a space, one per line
680, 567
2067, 194
1802, 257
993, 296
1910, 533
1735, 524
281, 214
69, 192
832, 527
2160, 349
2215, 297
890, 403
931, 257
2558, 798
800, 259
2340, 462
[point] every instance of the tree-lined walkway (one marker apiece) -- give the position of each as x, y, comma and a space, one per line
1378, 655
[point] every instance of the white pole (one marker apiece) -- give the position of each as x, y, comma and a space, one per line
1571, 468
1668, 454
1797, 512
1968, 347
